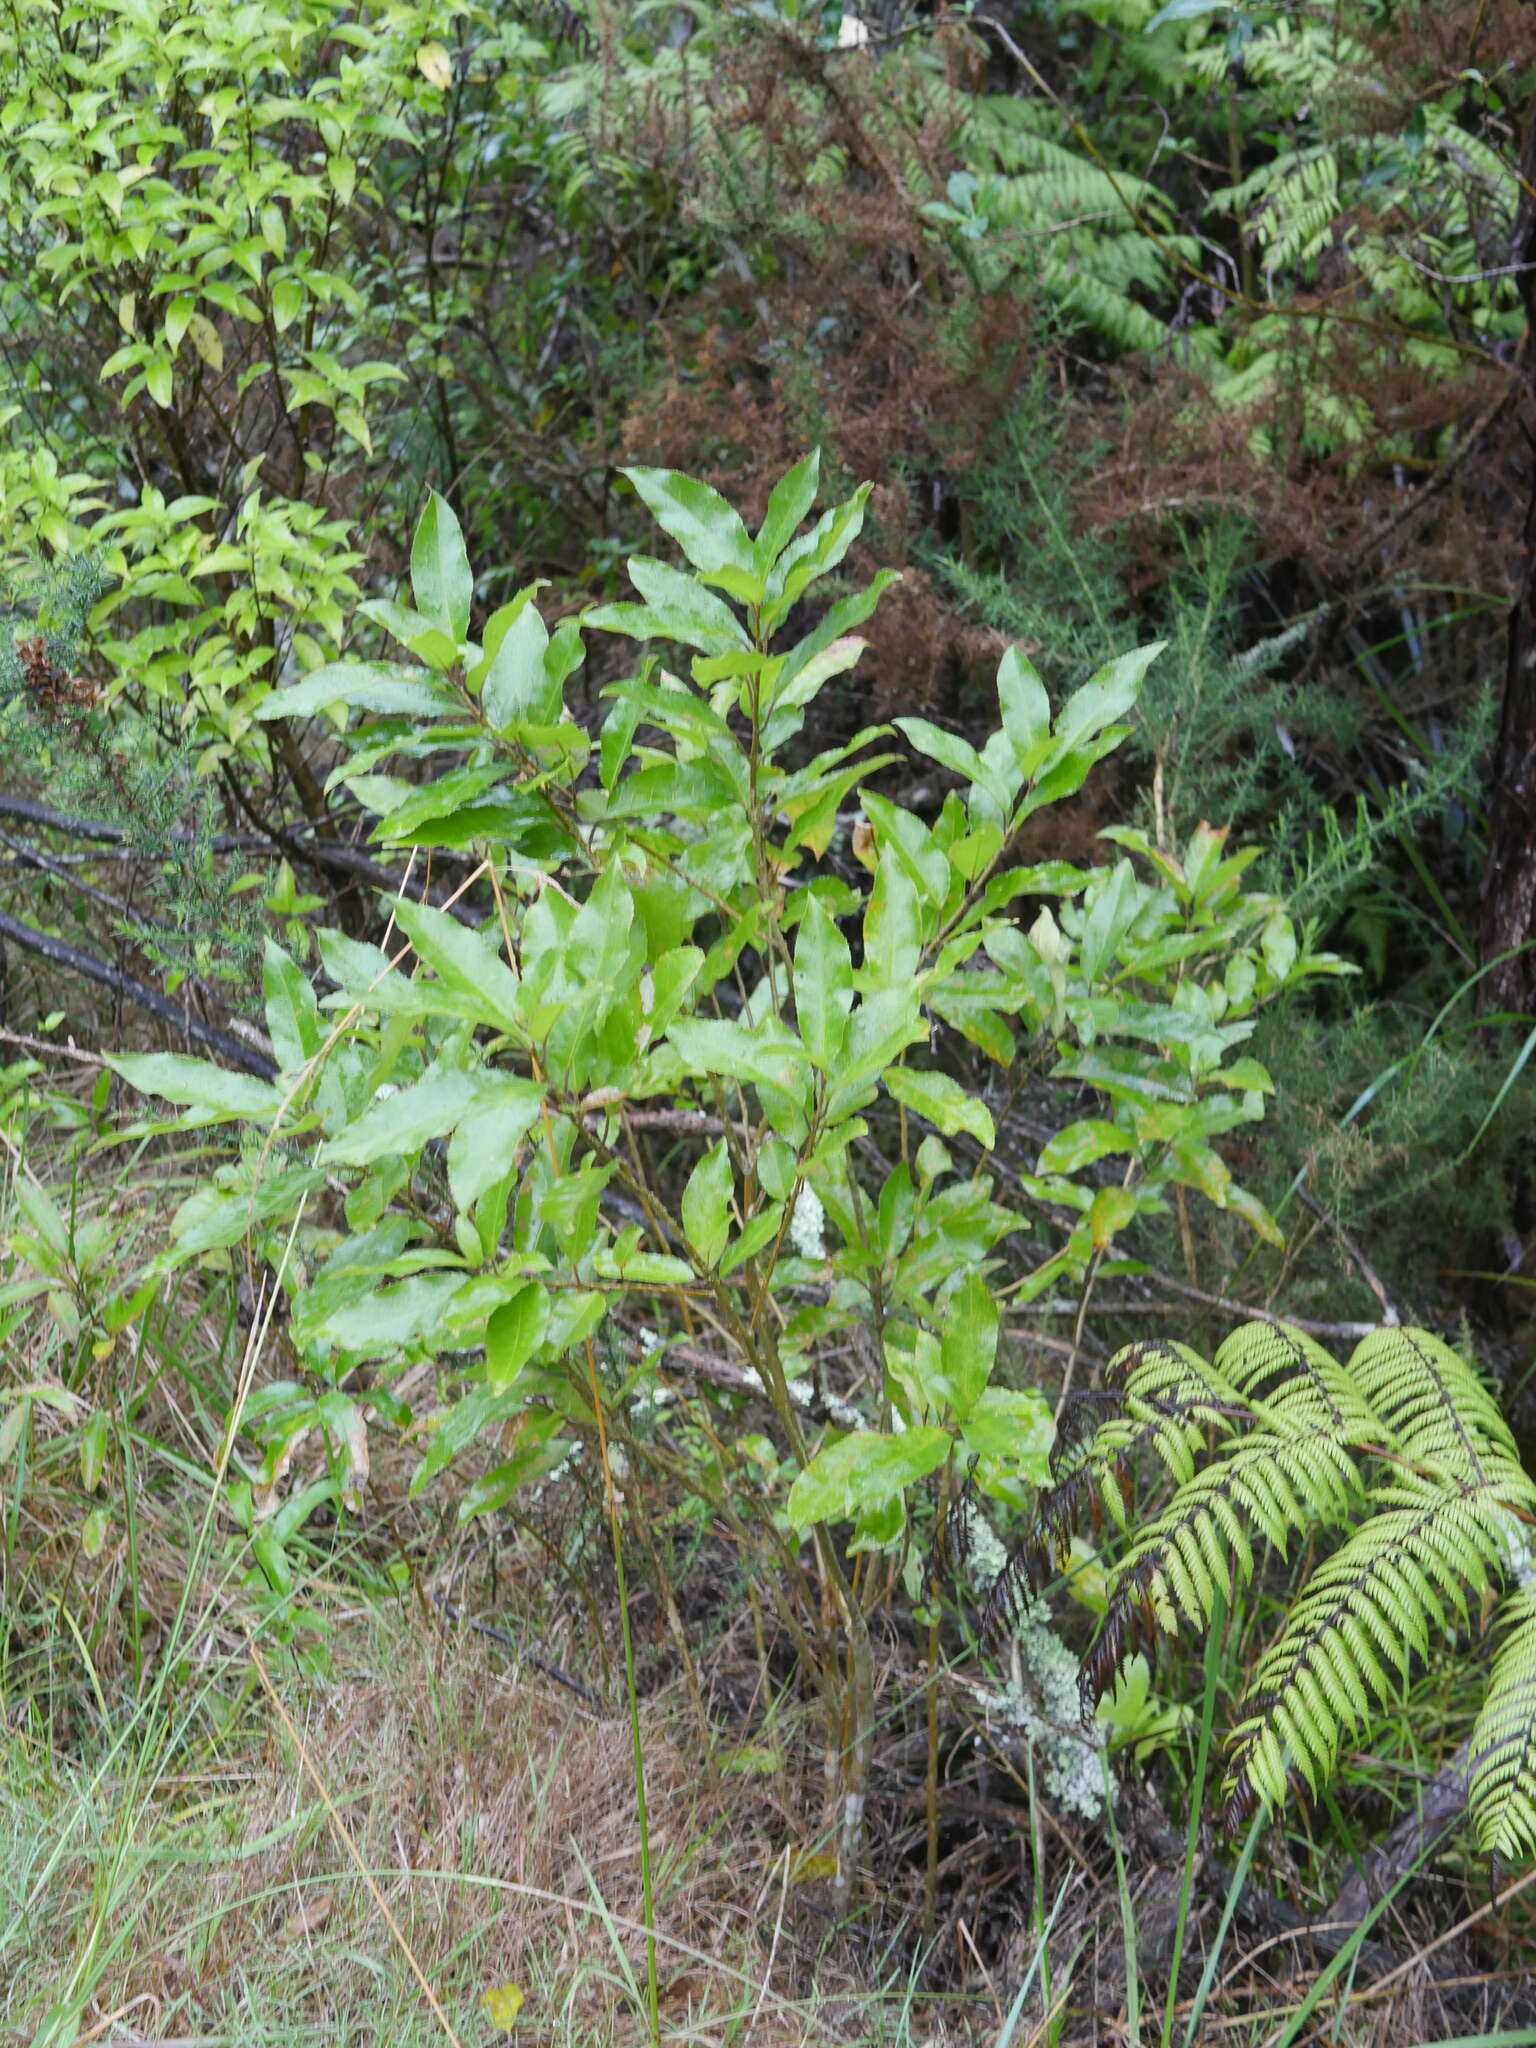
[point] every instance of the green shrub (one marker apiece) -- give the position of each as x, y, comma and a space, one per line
655, 941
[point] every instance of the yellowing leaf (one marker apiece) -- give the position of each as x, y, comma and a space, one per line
1086, 1579
1113, 1209
205, 338
125, 313
93, 1534
501, 2004
436, 67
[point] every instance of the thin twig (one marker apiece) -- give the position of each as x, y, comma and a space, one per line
1251, 1312
138, 993
454, 1612
330, 854
1353, 1252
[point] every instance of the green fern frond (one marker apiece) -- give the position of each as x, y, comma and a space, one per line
1502, 1758
1400, 1578
1275, 1362
1433, 1405
1091, 238
1012, 134
1170, 1401
1405, 1451
1105, 311
1296, 60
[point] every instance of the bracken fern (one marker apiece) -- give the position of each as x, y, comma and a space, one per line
1403, 1451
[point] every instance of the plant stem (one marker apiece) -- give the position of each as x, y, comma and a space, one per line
642, 1825
931, 1876
1196, 1801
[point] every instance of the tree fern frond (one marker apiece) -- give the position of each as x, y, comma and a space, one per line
1299, 59
1170, 1402
1405, 1449
1109, 313
1402, 1574
1502, 1759
1275, 1362
1432, 1403
1299, 1473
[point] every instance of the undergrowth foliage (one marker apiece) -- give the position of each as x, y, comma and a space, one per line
1404, 1453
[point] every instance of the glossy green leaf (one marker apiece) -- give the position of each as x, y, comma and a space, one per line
493, 1491
706, 1204
513, 1333
93, 1443
293, 1017
791, 499
943, 1101
402, 1122
1080, 1144
1184, 10
1106, 697
441, 581
1115, 909
1015, 1426
823, 982
501, 1112
707, 529
947, 748
864, 1470
1111, 1210
1025, 707
364, 685
968, 1342
517, 685
468, 966
712, 1046
197, 1084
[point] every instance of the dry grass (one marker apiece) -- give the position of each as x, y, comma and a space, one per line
190, 1878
